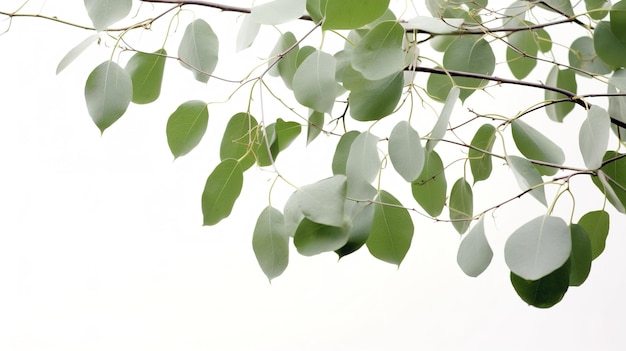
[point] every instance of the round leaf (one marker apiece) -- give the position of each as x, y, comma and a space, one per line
314, 84
544, 292
594, 136
379, 54
323, 201
103, 13
238, 139
405, 151
278, 11
361, 12
596, 225
583, 56
609, 48
429, 190
469, 54
313, 238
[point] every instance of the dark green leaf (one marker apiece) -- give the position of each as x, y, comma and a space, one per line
222, 189
544, 292
108, 92
342, 151
429, 190
146, 72
286, 133
239, 138
618, 20
186, 127
596, 225
270, 243
461, 205
360, 214
608, 46
523, 43
594, 8
361, 12
580, 258
313, 238
564, 79
373, 100
480, 162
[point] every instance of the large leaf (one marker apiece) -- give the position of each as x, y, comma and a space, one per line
350, 14
103, 13
580, 258
199, 50
594, 136
342, 151
538, 247
270, 243
535, 146
611, 180
392, 230
544, 292
186, 127
238, 139
480, 162
469, 54
222, 189
363, 162
527, 177
461, 205
583, 56
108, 92
75, 52
440, 128
608, 46
405, 151
278, 11
292, 214
429, 190
475, 254
323, 201
373, 100
379, 54
564, 79
146, 72
314, 84
313, 238
596, 225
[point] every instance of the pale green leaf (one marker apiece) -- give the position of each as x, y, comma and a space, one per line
278, 11
440, 128
248, 31
469, 54
373, 100
314, 84
239, 138
480, 162
538, 247
596, 225
108, 93
363, 162
461, 205
594, 136
580, 258
103, 13
610, 191
323, 201
475, 254
222, 189
434, 25
608, 46
564, 79
613, 178
617, 104
535, 146
313, 238
563, 7
429, 190
544, 292
342, 151
405, 151
526, 43
583, 56
146, 72
527, 177
360, 214
350, 14
379, 54
286, 133
315, 126
75, 52
199, 50
292, 214
270, 243
186, 127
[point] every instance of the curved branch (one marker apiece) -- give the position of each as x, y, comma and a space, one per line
211, 4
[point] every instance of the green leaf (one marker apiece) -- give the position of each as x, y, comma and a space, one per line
544, 292
594, 136
583, 56
146, 72
313, 238
611, 180
247, 33
379, 54
469, 54
438, 86
292, 214
535, 146
480, 162
594, 6
279, 135
360, 215
564, 79
429, 190
350, 14
475, 254
608, 46
75, 52
222, 189
373, 100
323, 201
538, 247
103, 13
519, 64
440, 128
580, 258
108, 92
315, 9
405, 151
186, 127
342, 151
267, 145
286, 66
527, 177
596, 224
270, 243
278, 11
461, 205
558, 6
286, 133
363, 162
314, 84
199, 50
617, 104
315, 126
239, 137
392, 230
618, 20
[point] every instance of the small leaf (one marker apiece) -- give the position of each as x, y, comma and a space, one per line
313, 238
146, 72
527, 177
186, 127
199, 50
363, 162
593, 6
611, 180
285, 67
429, 190
315, 126
564, 79
361, 12
108, 92
222, 189
314, 84
594, 136
239, 138
247, 33
392, 230
580, 258
596, 225
546, 291
480, 162
440, 128
342, 151
75, 52
266, 150
538, 247
103, 13
461, 205
323, 201
278, 11
475, 254
379, 54
405, 151
535, 146
270, 243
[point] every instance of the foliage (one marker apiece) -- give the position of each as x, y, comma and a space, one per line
365, 77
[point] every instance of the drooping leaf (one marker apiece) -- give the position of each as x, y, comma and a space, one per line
286, 133
315, 126
544, 292
292, 214
440, 128
461, 205
429, 190
617, 104
480, 162
222, 189
535, 146
564, 79
405, 151
469, 54
239, 138
313, 238
108, 92
373, 100
146, 72
583, 56
527, 177
278, 11
475, 254
314, 84
392, 230
199, 50
248, 31
361, 215
279, 136
270, 243
379, 54
266, 149
363, 162
103, 13
596, 225
342, 151
323, 201
608, 46
350, 14
75, 52
186, 127
611, 180
580, 258
523, 43
594, 136
538, 247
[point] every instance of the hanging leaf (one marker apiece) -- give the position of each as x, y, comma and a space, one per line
611, 180
618, 20
523, 43
592, 7
313, 238
323, 201
363, 162
544, 292
103, 13
285, 67
239, 137
580, 258
186, 127
480, 162
373, 100
286, 133
594, 136
342, 151
75, 52
292, 214
146, 72
314, 84
617, 104
538, 247
461, 205
429, 190
608, 46
564, 79
469, 54
315, 9
596, 225
405, 151
270, 243
392, 230
361, 216
583, 56
535, 146
440, 128
279, 135
315, 126
475, 254
199, 50
247, 33
278, 11
222, 189
379, 54
527, 177
361, 13
108, 92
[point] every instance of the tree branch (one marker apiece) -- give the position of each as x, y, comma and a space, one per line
211, 4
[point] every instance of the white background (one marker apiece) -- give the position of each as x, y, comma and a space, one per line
102, 247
